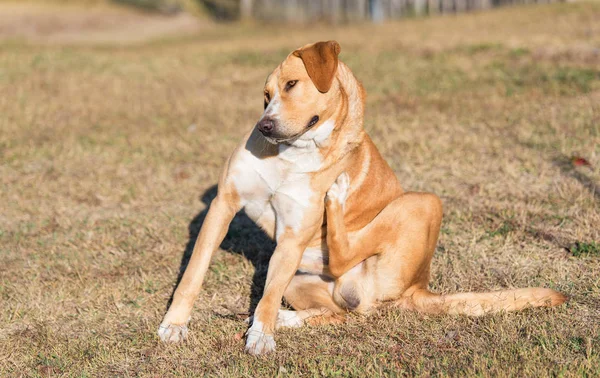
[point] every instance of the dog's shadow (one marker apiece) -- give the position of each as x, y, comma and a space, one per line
244, 238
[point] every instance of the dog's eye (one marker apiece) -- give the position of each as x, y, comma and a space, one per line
267, 99
290, 84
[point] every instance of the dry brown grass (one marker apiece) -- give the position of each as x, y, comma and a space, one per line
108, 155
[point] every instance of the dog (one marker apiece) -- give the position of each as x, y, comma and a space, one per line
348, 237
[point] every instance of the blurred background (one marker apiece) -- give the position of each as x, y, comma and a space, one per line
116, 118
333, 11
299, 11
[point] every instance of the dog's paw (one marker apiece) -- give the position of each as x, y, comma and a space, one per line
289, 319
257, 341
172, 333
339, 189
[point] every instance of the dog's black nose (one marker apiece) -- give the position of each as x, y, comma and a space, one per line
266, 125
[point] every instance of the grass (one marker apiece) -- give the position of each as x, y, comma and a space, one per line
581, 249
109, 155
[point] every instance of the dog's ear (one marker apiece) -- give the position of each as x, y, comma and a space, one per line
320, 61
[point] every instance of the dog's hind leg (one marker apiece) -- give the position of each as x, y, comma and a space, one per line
386, 257
312, 293
408, 229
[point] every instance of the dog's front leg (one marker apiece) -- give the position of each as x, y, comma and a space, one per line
282, 267
341, 257
222, 210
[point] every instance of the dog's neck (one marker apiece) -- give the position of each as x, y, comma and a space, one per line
351, 113
341, 133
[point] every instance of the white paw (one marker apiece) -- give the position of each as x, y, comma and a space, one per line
286, 318
339, 189
171, 333
258, 342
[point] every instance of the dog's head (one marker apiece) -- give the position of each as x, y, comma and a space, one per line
301, 93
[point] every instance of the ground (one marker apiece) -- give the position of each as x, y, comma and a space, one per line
109, 153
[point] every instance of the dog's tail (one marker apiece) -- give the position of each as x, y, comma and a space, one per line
477, 304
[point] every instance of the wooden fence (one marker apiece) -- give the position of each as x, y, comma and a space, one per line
338, 11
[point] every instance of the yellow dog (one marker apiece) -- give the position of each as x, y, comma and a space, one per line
348, 237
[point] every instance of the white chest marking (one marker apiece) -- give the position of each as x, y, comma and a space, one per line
320, 135
290, 202
281, 183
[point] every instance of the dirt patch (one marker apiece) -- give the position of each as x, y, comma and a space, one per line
101, 24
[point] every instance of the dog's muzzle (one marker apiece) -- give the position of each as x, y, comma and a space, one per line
266, 126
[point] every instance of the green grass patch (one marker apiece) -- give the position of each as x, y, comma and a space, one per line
583, 249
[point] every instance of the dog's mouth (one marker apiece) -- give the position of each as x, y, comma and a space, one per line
289, 140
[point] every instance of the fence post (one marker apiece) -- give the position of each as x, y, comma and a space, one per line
355, 10
334, 11
292, 11
362, 9
246, 9
433, 6
395, 9
447, 6
376, 9
314, 11
420, 6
